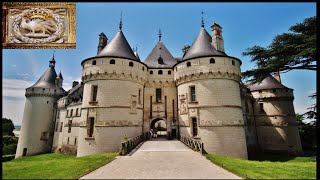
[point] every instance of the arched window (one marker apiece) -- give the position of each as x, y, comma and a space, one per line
131, 64
94, 62
169, 72
112, 61
233, 63
212, 61
160, 72
188, 64
151, 72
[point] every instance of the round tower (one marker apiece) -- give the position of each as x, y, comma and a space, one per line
275, 117
209, 101
112, 107
38, 117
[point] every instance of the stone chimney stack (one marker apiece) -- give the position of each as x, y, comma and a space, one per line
102, 42
217, 40
185, 50
74, 83
277, 76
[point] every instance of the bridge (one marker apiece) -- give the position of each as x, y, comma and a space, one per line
161, 159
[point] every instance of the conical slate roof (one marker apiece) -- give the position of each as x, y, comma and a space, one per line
160, 57
202, 47
268, 83
60, 76
118, 47
47, 80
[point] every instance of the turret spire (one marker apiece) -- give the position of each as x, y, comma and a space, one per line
160, 35
120, 25
52, 62
202, 22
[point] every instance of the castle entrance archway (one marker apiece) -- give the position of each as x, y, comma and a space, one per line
160, 126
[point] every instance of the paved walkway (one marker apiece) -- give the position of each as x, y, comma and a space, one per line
161, 160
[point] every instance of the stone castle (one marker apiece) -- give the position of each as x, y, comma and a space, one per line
199, 96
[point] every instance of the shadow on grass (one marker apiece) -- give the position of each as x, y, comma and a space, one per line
308, 156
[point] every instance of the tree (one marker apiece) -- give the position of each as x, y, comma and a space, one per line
307, 133
7, 127
295, 50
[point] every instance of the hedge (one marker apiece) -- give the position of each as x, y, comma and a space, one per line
8, 157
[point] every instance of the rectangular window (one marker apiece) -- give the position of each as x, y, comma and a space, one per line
94, 93
68, 141
158, 95
139, 97
90, 126
57, 124
75, 141
71, 112
61, 126
69, 126
67, 113
193, 93
58, 114
261, 108
194, 127
77, 111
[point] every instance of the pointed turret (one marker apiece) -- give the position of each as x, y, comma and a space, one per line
202, 47
59, 80
268, 83
160, 57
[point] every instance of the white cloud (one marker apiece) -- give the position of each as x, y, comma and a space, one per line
13, 65
15, 88
13, 109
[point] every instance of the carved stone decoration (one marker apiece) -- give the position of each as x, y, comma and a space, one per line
39, 25
183, 104
92, 112
133, 107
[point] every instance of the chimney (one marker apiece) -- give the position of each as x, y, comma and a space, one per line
277, 76
102, 42
185, 50
74, 83
217, 40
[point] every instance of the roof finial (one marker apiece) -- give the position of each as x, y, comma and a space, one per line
202, 22
160, 35
120, 26
52, 62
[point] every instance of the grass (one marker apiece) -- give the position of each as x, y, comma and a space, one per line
54, 166
268, 166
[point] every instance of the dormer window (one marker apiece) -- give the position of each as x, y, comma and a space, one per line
160, 60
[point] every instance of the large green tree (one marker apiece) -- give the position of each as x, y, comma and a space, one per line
294, 50
7, 127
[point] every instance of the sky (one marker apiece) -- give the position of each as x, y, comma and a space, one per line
243, 25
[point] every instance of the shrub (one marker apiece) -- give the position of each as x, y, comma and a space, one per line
9, 149
8, 157
6, 140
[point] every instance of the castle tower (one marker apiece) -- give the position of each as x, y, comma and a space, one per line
112, 106
59, 80
37, 123
275, 117
209, 98
160, 94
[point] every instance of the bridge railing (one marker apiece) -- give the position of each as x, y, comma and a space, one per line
128, 145
194, 144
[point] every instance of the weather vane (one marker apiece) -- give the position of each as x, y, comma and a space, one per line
202, 23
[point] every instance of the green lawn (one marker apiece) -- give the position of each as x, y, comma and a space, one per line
270, 166
54, 166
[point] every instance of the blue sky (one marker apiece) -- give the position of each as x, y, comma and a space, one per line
244, 25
